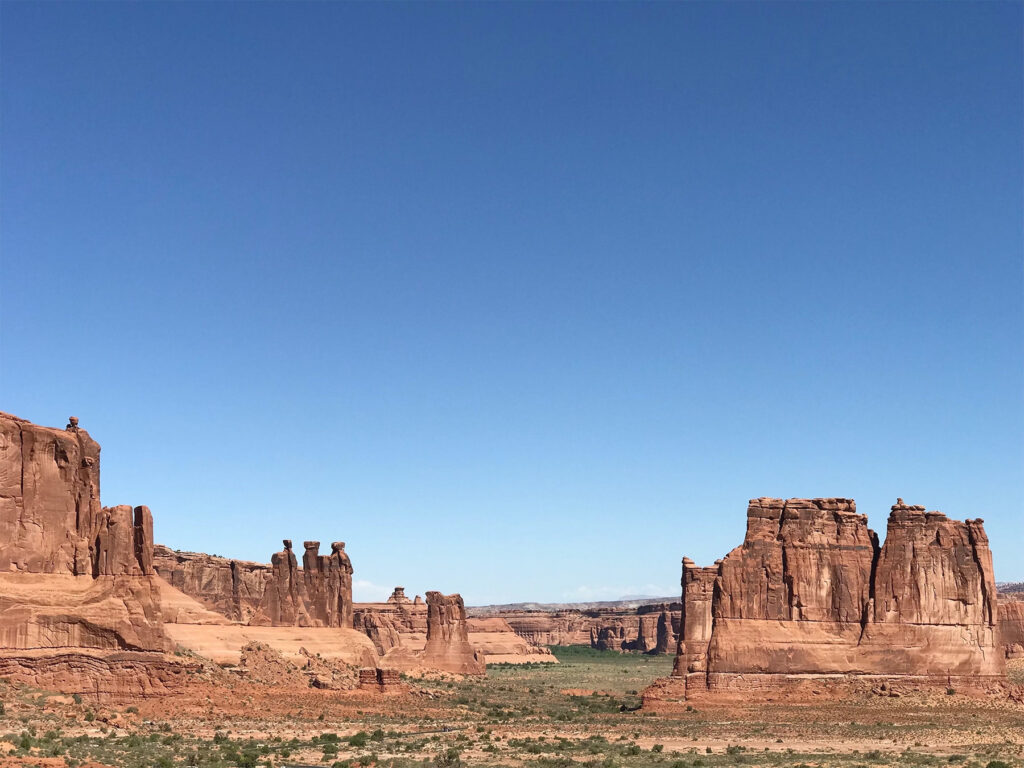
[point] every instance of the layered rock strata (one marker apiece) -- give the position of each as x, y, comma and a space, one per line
647, 629
447, 647
318, 595
233, 588
1011, 626
79, 608
448, 644
810, 595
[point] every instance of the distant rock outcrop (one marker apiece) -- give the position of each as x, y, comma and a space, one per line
650, 628
1011, 625
810, 599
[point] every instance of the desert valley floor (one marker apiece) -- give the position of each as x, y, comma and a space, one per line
581, 711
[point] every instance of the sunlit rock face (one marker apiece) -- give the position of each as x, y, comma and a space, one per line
79, 607
811, 598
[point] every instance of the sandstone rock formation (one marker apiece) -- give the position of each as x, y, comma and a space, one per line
78, 601
233, 588
328, 583
650, 628
383, 628
318, 595
283, 604
381, 681
1011, 626
494, 639
448, 645
809, 595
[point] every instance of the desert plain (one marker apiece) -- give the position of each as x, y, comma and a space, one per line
812, 643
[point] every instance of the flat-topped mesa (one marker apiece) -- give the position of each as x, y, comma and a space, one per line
810, 599
933, 570
802, 559
448, 646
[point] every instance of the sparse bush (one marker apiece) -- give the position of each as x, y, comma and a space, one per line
358, 739
447, 758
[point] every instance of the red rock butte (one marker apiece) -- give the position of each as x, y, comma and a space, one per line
810, 603
79, 604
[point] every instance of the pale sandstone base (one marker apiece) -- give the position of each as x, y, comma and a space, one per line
675, 693
836, 648
223, 643
95, 673
40, 610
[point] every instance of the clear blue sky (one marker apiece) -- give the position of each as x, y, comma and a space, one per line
519, 300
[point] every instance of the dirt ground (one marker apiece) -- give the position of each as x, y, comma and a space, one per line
582, 711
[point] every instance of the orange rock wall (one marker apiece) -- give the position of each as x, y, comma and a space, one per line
811, 593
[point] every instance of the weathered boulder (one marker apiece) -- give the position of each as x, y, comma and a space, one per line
811, 595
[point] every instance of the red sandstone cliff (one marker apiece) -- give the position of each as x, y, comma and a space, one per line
1011, 626
648, 628
233, 588
809, 595
79, 609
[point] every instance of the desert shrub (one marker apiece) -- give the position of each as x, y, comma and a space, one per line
447, 758
358, 739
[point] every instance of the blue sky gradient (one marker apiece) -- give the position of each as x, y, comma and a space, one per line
520, 300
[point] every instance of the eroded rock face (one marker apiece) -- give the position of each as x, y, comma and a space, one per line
448, 645
328, 583
50, 511
233, 588
647, 629
1011, 627
810, 594
76, 578
318, 595
283, 603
